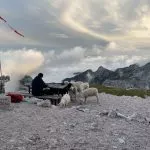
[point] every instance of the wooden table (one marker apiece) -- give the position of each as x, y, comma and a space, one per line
50, 85
55, 99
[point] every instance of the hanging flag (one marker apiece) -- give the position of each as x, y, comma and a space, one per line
11, 27
18, 33
3, 19
15, 30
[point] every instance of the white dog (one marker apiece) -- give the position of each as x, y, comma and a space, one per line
65, 100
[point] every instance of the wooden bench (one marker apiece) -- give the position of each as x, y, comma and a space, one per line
55, 99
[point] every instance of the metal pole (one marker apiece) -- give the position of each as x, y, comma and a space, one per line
2, 83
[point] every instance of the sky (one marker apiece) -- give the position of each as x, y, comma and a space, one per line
67, 36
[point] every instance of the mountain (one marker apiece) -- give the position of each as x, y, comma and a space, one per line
101, 75
127, 72
85, 76
132, 76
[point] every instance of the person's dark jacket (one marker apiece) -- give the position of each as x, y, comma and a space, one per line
37, 86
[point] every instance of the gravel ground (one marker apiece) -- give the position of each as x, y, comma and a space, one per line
77, 127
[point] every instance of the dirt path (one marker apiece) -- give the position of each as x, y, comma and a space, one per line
29, 127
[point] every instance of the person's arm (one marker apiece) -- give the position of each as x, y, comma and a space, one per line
44, 84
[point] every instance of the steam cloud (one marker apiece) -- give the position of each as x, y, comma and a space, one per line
18, 63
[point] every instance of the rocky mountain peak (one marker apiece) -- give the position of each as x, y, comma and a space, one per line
101, 68
134, 66
132, 76
146, 66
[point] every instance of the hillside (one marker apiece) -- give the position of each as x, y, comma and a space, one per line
77, 127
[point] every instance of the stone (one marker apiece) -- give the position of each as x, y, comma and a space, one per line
5, 102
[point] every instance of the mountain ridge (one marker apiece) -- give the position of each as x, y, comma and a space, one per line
132, 76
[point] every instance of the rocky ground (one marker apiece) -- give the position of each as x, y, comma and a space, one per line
77, 127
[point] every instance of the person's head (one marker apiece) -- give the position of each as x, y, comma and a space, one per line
40, 75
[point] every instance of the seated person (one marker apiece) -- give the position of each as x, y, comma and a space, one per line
38, 85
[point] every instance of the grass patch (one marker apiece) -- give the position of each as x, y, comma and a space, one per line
121, 92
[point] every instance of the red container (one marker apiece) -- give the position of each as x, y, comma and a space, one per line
15, 97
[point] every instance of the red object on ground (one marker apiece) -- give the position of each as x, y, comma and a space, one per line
15, 97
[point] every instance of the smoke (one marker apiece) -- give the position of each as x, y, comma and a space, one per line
89, 76
18, 63
13, 84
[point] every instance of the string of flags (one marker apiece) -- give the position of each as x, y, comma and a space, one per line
1, 18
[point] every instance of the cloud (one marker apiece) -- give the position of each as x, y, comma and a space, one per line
21, 62
114, 23
63, 59
112, 46
63, 64
58, 35
59, 65
51, 22
7, 35
70, 18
